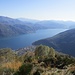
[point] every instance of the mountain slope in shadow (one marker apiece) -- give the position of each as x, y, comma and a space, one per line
64, 42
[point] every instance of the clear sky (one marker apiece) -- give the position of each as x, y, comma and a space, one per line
38, 9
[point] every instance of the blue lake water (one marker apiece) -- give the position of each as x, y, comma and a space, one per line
27, 39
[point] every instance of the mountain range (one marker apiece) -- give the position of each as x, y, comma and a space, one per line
12, 27
28, 20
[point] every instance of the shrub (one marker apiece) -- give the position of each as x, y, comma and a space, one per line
42, 52
25, 69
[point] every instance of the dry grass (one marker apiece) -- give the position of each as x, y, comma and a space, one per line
12, 65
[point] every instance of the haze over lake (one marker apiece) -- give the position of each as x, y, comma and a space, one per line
27, 39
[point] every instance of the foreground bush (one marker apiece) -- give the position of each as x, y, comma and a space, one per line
25, 69
42, 52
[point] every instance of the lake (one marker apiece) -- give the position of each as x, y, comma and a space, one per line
27, 39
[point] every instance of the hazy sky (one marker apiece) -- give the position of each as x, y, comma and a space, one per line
38, 9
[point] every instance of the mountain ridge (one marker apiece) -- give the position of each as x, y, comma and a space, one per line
12, 27
63, 42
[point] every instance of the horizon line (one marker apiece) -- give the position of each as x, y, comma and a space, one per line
38, 19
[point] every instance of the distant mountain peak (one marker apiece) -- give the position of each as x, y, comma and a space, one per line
28, 20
